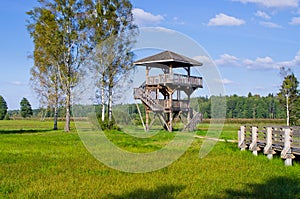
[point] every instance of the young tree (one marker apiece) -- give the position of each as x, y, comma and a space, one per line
289, 96
25, 108
68, 49
3, 108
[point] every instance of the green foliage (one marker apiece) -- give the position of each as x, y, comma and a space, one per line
25, 108
108, 125
3, 108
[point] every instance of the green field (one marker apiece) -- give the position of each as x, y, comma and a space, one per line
37, 162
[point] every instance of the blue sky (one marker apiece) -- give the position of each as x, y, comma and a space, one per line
248, 40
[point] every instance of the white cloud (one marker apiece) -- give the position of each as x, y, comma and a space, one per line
162, 29
262, 14
225, 20
203, 59
295, 21
260, 63
142, 17
226, 81
227, 60
270, 24
178, 21
273, 3
16, 83
292, 63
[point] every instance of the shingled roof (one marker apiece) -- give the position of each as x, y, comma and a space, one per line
166, 59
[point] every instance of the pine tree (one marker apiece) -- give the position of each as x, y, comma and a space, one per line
3, 108
25, 107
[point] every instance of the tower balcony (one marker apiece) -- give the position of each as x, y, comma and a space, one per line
176, 80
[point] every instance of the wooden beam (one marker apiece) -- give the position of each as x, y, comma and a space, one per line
163, 120
138, 108
147, 120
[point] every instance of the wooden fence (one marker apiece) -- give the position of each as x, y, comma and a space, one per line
283, 140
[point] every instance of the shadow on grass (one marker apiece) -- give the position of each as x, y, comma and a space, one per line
167, 191
22, 131
277, 187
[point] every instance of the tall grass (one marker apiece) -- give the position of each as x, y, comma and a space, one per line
54, 164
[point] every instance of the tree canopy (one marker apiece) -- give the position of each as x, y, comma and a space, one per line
25, 108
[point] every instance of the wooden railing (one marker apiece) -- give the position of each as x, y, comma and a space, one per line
160, 104
176, 79
285, 140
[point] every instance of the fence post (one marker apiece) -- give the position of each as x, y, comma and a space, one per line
241, 138
286, 153
268, 148
253, 146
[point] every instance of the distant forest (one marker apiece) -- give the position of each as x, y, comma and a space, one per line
251, 106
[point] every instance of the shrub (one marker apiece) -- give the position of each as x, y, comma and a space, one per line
7, 117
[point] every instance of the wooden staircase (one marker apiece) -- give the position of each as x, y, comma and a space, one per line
140, 93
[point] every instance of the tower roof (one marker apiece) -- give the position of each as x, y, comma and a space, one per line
166, 59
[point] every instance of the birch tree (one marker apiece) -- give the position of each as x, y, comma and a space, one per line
44, 74
289, 96
111, 36
68, 49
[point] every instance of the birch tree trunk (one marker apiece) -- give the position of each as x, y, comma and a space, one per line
287, 111
68, 106
55, 118
68, 115
110, 103
103, 101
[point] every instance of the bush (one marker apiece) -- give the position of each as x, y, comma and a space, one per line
7, 117
106, 124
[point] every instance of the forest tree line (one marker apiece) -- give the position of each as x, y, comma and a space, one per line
251, 106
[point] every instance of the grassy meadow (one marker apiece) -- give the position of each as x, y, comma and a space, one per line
36, 162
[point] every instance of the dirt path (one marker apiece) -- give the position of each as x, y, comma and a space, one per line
215, 139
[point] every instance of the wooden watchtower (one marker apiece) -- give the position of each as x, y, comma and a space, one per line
161, 94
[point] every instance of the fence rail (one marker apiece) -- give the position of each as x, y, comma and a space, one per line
271, 140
